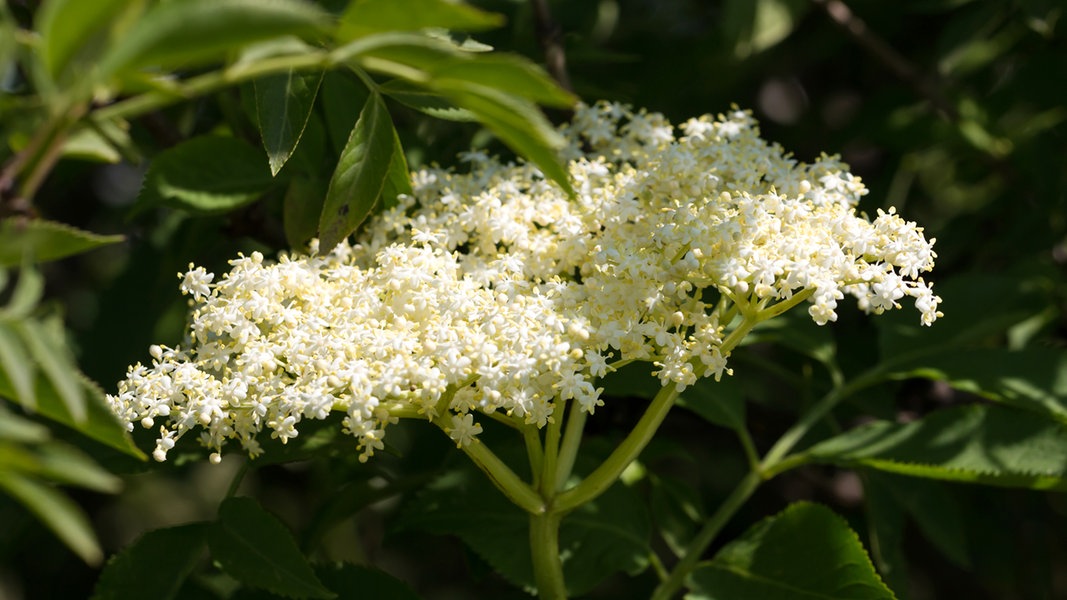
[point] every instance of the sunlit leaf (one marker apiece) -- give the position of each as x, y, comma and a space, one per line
191, 32
365, 17
66, 27
42, 241
360, 175
805, 552
283, 105
207, 174
993, 445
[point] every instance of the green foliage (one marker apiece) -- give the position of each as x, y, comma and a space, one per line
806, 551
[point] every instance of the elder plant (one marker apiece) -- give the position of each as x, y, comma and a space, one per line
494, 294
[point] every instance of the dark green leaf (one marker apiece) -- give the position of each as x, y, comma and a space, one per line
608, 535
398, 179
360, 175
256, 549
190, 32
676, 511
66, 465
41, 241
154, 566
207, 174
365, 17
58, 512
342, 97
283, 105
934, 509
301, 208
885, 520
719, 402
417, 97
993, 445
806, 552
371, 583
1034, 379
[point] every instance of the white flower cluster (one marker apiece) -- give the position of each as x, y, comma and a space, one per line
494, 291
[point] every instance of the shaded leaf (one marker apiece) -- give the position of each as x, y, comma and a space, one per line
207, 174
398, 178
423, 100
154, 566
1033, 379
360, 175
66, 27
301, 209
371, 583
718, 402
58, 512
993, 445
365, 17
50, 353
256, 548
41, 241
190, 32
283, 105
805, 552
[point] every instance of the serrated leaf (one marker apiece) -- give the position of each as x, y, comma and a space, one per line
517, 122
719, 402
154, 566
1033, 379
360, 175
993, 445
207, 174
803, 553
398, 178
256, 548
512, 74
190, 32
66, 465
58, 512
42, 241
283, 106
365, 17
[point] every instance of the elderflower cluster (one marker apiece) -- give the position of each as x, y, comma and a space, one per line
492, 290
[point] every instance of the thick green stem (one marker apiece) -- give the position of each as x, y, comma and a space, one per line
608, 472
517, 490
696, 547
544, 546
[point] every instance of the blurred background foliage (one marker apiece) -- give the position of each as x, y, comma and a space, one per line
953, 111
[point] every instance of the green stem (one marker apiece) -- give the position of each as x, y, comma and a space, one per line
518, 491
608, 472
211, 82
568, 450
551, 448
696, 547
544, 546
534, 452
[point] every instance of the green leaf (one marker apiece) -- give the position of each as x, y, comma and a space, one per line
360, 175
301, 209
514, 120
371, 583
427, 102
41, 241
66, 465
342, 97
257, 549
993, 445
885, 520
24, 297
207, 174
806, 552
67, 26
365, 17
512, 74
753, 26
283, 105
49, 350
58, 512
99, 423
676, 510
398, 178
603, 537
796, 331
1033, 379
933, 508
718, 402
154, 566
186, 33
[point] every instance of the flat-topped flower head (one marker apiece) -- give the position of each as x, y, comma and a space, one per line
494, 291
